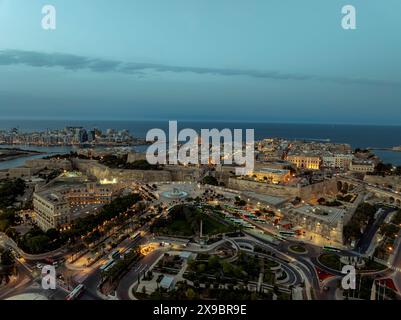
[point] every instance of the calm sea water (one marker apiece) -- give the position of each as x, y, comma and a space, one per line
359, 136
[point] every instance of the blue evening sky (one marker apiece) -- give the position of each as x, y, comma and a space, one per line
254, 60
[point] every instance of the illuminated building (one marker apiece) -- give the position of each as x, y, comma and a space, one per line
53, 206
51, 210
362, 166
342, 161
90, 193
272, 175
305, 161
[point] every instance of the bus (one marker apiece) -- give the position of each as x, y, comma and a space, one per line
136, 235
331, 249
107, 265
115, 254
249, 215
287, 233
280, 237
74, 294
260, 220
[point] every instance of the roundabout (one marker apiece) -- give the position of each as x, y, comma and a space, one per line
297, 249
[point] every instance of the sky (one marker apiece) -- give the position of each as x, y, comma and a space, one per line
231, 60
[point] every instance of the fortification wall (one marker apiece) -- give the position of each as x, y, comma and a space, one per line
305, 192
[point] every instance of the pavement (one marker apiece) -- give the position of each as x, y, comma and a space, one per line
137, 271
366, 238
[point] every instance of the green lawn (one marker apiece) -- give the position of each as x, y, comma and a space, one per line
186, 220
211, 226
333, 261
330, 260
184, 228
298, 249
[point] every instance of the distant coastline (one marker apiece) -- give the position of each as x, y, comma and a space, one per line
7, 154
382, 138
393, 149
358, 136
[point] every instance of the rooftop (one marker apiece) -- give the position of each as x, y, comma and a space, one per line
271, 200
274, 171
327, 214
167, 282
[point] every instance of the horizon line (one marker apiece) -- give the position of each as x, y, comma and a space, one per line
200, 121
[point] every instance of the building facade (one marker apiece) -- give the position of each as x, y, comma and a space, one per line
272, 175
52, 211
90, 193
342, 161
305, 161
52, 207
362, 166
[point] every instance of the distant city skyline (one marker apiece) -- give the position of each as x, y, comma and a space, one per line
259, 61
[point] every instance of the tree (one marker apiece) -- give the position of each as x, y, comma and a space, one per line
227, 268
10, 190
53, 234
397, 218
239, 201
351, 231
149, 275
158, 280
201, 268
383, 169
4, 225
37, 244
6, 257
389, 230
213, 262
190, 294
291, 169
210, 180
7, 265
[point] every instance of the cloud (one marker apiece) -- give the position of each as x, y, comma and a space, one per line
76, 63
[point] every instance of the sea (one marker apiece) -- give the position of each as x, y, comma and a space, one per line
358, 136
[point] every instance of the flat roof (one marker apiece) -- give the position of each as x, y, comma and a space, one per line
272, 200
52, 196
273, 170
167, 281
333, 214
185, 254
